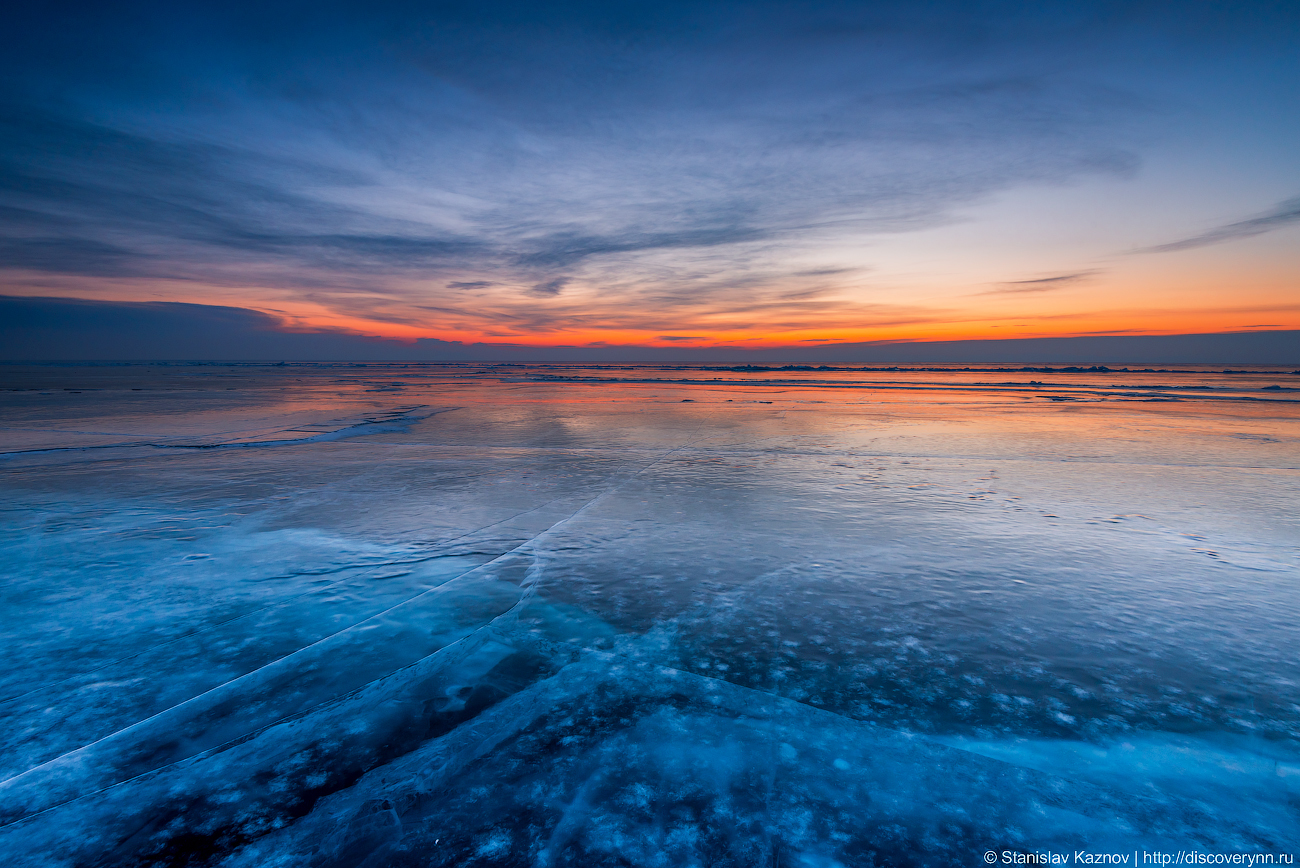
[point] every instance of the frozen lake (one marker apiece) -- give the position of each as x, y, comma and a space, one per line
419, 615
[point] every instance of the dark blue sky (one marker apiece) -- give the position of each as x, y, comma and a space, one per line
692, 174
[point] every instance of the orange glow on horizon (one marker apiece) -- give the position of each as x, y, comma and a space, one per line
1152, 324
1145, 301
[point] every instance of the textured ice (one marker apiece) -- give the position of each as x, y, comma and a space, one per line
421, 615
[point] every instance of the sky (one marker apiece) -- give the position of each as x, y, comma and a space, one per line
698, 175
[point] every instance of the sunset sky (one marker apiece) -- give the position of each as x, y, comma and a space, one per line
654, 174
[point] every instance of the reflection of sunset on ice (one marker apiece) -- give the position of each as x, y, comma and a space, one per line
481, 614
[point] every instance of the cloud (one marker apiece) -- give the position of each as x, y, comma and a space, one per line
79, 256
1058, 279
1284, 214
550, 287
681, 338
679, 166
1041, 284
125, 202
565, 135
566, 249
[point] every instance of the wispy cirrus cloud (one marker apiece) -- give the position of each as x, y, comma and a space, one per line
560, 150
672, 167
1040, 284
1285, 214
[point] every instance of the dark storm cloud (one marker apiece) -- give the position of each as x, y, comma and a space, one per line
34, 314
1284, 214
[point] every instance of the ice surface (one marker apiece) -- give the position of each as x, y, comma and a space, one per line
448, 615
